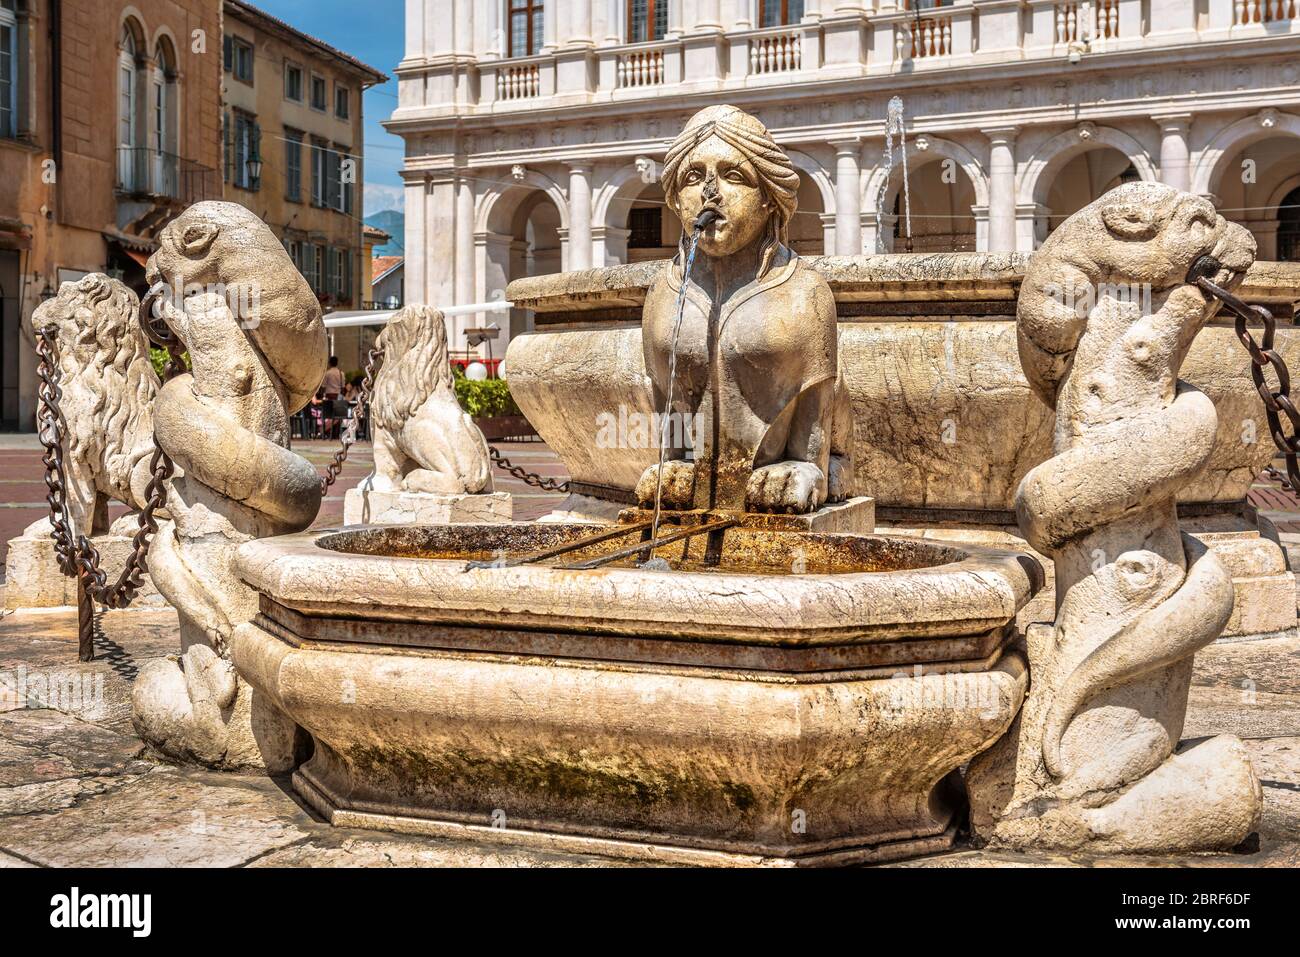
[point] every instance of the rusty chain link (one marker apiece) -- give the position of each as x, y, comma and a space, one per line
348, 436
1262, 354
528, 478
75, 553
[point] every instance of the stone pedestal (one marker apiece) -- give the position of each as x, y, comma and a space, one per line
33, 578
373, 507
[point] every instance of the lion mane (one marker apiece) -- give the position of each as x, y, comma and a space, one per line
415, 366
107, 381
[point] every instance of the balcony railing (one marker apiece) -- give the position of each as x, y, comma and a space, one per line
641, 68
142, 171
778, 53
1263, 11
518, 82
894, 38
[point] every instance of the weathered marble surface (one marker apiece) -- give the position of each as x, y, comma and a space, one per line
362, 506
1093, 759
943, 416
72, 794
620, 708
253, 331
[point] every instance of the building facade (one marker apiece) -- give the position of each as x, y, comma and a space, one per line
293, 142
535, 130
109, 126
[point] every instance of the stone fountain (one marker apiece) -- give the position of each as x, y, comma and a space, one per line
736, 671
711, 654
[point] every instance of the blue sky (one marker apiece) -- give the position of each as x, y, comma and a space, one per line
371, 31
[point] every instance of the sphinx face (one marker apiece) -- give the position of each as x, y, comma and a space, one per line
718, 176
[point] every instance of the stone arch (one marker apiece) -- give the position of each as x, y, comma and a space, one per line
1035, 177
496, 207
133, 20
1235, 137
935, 150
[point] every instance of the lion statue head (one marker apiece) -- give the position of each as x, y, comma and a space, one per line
415, 365
107, 380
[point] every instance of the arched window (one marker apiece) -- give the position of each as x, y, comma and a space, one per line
163, 121
130, 167
1288, 229
780, 13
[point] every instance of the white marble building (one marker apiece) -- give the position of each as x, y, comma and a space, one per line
534, 130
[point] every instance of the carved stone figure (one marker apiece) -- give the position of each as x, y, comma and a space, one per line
252, 326
431, 460
1105, 318
424, 441
107, 385
757, 358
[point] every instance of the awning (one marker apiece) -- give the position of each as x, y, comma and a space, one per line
363, 317
139, 257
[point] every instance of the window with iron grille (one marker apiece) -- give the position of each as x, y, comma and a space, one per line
646, 20
525, 21
645, 228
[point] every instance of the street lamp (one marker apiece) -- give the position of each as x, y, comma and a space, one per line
254, 167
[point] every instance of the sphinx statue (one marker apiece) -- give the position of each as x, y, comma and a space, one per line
1106, 315
225, 286
757, 354
431, 460
107, 387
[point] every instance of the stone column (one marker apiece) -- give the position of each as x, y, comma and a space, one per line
613, 22
579, 24
675, 29
708, 15
1175, 158
848, 197
416, 238
440, 257
464, 241
1002, 189
580, 216
464, 26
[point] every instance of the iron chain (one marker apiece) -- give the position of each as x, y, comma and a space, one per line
79, 556
1262, 354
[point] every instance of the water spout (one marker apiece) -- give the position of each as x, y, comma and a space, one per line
707, 216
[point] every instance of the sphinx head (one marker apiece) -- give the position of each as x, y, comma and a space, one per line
726, 161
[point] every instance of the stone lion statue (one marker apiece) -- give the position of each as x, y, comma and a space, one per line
1107, 312
108, 389
423, 440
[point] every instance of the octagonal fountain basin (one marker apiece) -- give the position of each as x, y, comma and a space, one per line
803, 700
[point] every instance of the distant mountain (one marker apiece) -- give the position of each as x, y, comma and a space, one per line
394, 223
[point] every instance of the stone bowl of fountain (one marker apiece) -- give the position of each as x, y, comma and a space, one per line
737, 671
795, 698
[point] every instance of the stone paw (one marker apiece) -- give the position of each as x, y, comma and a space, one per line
678, 485
791, 487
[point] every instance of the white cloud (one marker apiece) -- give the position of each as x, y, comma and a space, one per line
380, 197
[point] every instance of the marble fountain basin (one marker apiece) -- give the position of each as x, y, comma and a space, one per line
806, 701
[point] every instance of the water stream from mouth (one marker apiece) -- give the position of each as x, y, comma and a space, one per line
701, 223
